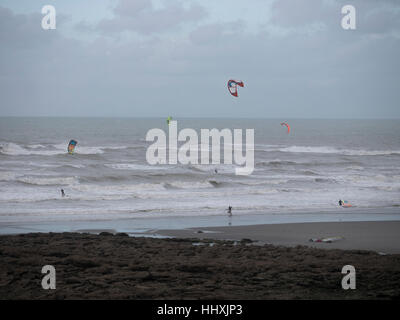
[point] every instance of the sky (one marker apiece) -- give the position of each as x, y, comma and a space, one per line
154, 58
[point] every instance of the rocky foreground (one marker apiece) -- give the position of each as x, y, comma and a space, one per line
108, 266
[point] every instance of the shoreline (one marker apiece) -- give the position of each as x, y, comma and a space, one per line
192, 220
379, 236
374, 229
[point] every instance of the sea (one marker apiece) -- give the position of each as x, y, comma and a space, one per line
108, 178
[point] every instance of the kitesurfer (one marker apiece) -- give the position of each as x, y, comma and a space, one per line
71, 146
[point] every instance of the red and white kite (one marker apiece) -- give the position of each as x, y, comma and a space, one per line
232, 87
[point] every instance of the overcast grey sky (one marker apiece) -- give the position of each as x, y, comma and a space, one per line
174, 57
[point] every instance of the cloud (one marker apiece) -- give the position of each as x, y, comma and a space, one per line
142, 17
373, 17
20, 31
295, 13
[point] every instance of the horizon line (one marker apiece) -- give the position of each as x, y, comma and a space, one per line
203, 117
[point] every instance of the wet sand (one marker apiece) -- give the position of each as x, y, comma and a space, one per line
380, 236
109, 266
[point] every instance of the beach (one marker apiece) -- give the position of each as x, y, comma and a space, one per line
202, 264
379, 236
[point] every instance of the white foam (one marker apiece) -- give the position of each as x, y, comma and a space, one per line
42, 181
325, 150
115, 147
356, 168
133, 166
14, 149
119, 188
332, 150
8, 176
190, 184
79, 149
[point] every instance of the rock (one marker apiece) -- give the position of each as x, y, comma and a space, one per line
122, 234
105, 234
72, 280
82, 263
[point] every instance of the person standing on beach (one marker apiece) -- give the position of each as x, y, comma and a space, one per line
229, 215
62, 193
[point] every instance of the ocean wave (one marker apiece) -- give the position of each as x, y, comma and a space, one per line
118, 188
356, 168
213, 183
43, 181
167, 177
198, 168
133, 166
210, 168
36, 146
283, 164
8, 176
144, 187
378, 181
217, 184
129, 192
188, 184
260, 182
388, 188
325, 180
104, 178
63, 165
80, 149
115, 147
38, 198
332, 150
15, 149
309, 173
277, 162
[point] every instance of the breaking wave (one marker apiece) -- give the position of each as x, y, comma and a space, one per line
43, 181
15, 149
332, 150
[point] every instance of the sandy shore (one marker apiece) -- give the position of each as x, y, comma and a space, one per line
108, 266
18, 224
380, 236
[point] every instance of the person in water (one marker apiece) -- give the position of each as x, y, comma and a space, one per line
229, 210
62, 193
